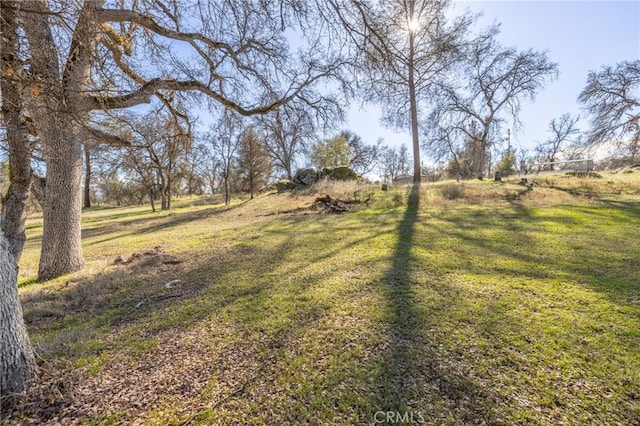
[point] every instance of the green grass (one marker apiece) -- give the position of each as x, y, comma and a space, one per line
495, 305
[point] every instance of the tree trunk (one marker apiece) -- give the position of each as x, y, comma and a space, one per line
227, 195
483, 158
14, 213
62, 210
12, 219
87, 177
413, 102
163, 189
152, 200
58, 112
169, 187
289, 173
17, 361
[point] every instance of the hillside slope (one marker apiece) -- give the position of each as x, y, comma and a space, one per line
487, 303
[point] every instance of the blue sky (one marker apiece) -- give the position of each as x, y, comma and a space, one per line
579, 35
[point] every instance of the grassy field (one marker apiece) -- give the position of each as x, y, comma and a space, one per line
461, 303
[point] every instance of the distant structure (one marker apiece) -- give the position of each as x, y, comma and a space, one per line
567, 166
408, 179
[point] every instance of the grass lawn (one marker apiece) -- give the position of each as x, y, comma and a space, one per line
471, 303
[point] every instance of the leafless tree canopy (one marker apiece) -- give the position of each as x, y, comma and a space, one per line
406, 46
490, 87
564, 132
612, 98
235, 53
288, 131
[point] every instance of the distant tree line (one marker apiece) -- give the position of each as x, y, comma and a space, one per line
232, 157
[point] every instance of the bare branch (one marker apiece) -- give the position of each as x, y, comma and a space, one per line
612, 98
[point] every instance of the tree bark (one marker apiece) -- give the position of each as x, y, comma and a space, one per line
152, 198
227, 195
12, 219
163, 189
17, 361
61, 251
61, 109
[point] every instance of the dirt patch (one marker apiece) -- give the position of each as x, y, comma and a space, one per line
179, 375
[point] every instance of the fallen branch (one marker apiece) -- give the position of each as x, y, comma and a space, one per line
330, 205
336, 205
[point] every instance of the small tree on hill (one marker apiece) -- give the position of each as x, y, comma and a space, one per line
563, 132
331, 152
507, 164
395, 162
491, 85
254, 164
287, 133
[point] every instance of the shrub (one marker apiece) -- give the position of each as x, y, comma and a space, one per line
285, 185
343, 173
452, 191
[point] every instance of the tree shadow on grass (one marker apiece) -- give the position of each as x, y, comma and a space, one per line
414, 383
241, 295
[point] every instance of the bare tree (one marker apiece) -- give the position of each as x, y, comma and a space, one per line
406, 45
288, 132
524, 160
235, 46
225, 139
489, 87
158, 144
364, 157
83, 57
612, 97
394, 162
211, 167
563, 131
191, 170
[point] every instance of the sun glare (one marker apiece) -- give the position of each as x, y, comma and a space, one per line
413, 25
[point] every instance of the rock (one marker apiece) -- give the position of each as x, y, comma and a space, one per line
171, 283
119, 260
306, 176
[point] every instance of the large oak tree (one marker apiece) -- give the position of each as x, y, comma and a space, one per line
74, 59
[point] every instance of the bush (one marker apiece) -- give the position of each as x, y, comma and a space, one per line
452, 191
343, 173
285, 185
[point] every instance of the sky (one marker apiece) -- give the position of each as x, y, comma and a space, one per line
580, 36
